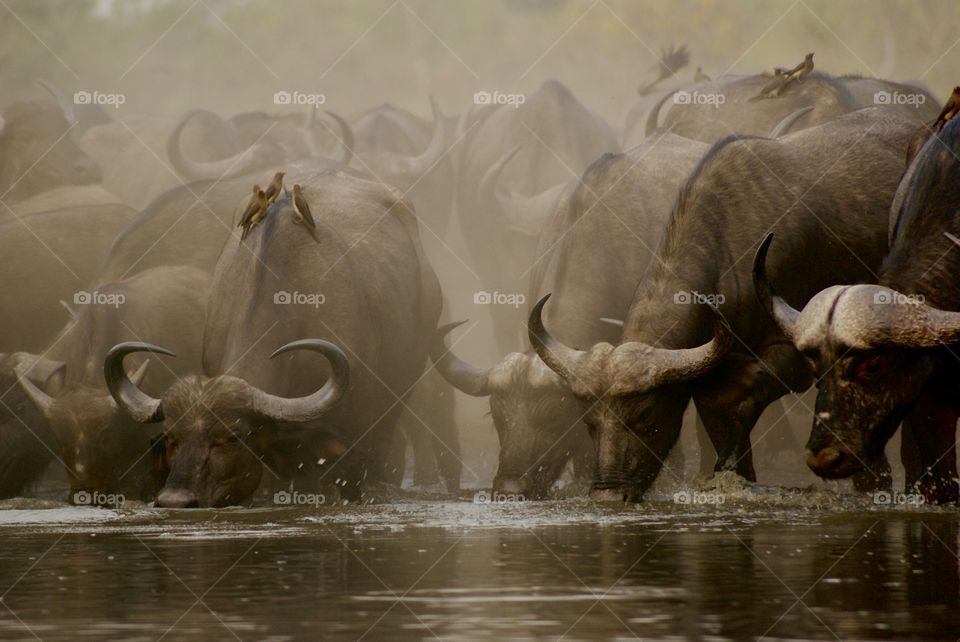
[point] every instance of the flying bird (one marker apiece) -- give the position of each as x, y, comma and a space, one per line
275, 187
672, 59
950, 109
302, 210
255, 212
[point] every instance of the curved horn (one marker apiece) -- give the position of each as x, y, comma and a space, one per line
463, 376
40, 399
139, 405
344, 152
65, 105
641, 367
561, 359
312, 406
240, 163
906, 325
784, 125
524, 214
654, 116
779, 310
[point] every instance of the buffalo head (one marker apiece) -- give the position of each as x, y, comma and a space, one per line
217, 429
536, 416
873, 350
634, 400
38, 153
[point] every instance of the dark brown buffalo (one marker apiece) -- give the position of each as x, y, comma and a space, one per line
380, 303
27, 445
886, 354
621, 204
103, 450
833, 220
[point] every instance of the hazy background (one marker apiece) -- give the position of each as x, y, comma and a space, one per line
231, 55
167, 56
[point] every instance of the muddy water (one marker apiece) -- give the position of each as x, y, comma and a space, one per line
765, 563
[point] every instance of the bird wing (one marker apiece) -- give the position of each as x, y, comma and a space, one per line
301, 204
249, 213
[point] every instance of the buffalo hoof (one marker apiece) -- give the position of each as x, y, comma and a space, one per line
938, 491
177, 498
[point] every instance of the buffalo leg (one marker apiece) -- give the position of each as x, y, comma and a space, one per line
731, 400
934, 423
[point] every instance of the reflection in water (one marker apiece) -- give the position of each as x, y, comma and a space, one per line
463, 571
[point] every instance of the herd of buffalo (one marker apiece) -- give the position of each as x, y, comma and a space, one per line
168, 337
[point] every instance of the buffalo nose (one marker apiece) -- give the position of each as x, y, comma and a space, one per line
177, 498
824, 460
611, 495
508, 486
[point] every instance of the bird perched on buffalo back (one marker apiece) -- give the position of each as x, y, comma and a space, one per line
950, 109
773, 88
302, 210
255, 211
275, 186
801, 71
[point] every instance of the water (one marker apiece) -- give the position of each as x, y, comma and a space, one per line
768, 563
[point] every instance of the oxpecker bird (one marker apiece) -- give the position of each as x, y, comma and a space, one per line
252, 206
773, 88
302, 210
950, 109
275, 187
799, 72
255, 212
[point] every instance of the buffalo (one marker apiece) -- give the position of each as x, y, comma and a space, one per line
674, 349
364, 283
512, 166
103, 450
51, 257
621, 204
37, 152
711, 110
885, 353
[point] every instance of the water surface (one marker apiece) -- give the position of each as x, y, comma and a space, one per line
769, 564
